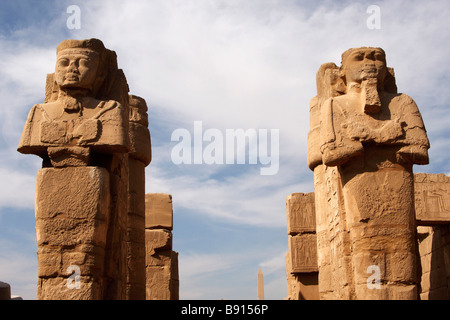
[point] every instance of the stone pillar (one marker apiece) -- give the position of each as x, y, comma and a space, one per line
71, 232
362, 145
301, 260
162, 281
139, 158
260, 285
432, 200
94, 143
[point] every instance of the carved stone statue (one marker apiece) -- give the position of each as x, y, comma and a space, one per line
76, 120
364, 139
94, 140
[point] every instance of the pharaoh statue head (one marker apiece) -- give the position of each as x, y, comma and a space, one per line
86, 66
86, 106
77, 64
364, 68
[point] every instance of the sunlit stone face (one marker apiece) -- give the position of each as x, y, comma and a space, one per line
363, 64
76, 68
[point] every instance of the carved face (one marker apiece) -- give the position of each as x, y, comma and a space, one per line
365, 63
76, 68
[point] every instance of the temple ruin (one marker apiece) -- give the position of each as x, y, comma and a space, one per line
380, 231
372, 229
94, 141
162, 281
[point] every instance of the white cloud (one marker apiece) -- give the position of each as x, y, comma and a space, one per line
17, 189
275, 263
202, 275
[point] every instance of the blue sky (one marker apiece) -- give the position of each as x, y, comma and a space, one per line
230, 64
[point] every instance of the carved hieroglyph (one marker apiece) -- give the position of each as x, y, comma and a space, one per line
89, 224
301, 259
363, 141
432, 198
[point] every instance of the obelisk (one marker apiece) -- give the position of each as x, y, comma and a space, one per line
260, 285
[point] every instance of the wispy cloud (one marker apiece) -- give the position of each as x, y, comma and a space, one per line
17, 189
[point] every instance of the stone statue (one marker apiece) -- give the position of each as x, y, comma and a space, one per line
94, 140
364, 139
76, 120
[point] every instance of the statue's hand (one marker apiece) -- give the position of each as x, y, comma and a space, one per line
390, 131
88, 130
356, 131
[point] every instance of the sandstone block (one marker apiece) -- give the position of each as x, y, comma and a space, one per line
59, 288
158, 211
74, 193
432, 198
157, 240
300, 213
140, 143
136, 194
303, 249
158, 283
5, 291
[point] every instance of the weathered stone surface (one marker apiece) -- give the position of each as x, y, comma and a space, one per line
157, 240
5, 291
301, 215
364, 139
94, 140
75, 113
162, 279
303, 249
162, 282
301, 286
434, 248
158, 211
65, 220
432, 198
71, 230
301, 259
140, 144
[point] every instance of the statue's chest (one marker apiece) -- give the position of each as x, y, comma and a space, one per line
73, 132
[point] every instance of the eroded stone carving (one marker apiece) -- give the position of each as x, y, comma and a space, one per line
364, 139
432, 198
301, 259
162, 280
83, 114
86, 196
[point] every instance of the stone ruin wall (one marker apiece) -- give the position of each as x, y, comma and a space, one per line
432, 205
162, 280
301, 259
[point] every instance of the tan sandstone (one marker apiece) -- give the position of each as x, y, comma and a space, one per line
94, 143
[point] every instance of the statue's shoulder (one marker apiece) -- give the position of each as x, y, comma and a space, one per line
49, 110
401, 103
398, 98
108, 108
38, 112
